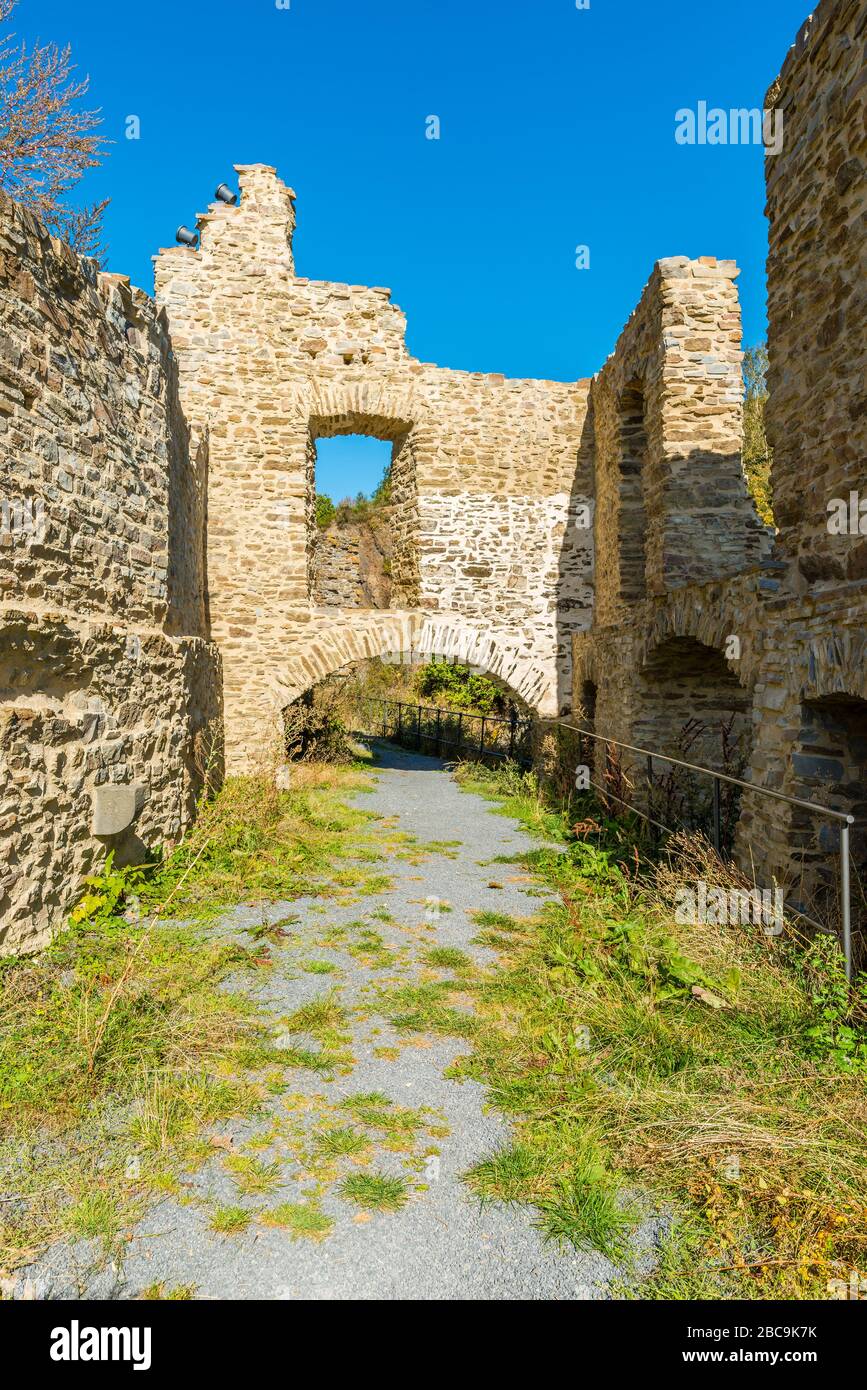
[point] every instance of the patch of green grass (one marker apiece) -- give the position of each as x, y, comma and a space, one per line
252, 1176
120, 1044
364, 1098
303, 1220
323, 1013
254, 843
96, 1216
425, 1009
382, 914
375, 1191
499, 921
318, 967
257, 1056
334, 1143
369, 947
447, 958
578, 1204
230, 1221
378, 1111
181, 1293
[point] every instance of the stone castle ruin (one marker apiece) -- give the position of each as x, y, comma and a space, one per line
592, 544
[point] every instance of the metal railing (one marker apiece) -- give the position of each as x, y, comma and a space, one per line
437, 729
845, 820
511, 737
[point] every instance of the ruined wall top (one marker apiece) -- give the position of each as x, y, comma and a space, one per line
817, 296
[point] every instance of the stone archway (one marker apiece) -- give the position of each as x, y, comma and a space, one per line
349, 638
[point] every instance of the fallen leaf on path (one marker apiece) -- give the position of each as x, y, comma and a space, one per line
708, 997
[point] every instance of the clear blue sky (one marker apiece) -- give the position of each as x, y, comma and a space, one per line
557, 129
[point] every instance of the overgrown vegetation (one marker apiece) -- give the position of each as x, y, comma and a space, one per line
459, 687
707, 1071
128, 1038
352, 511
757, 453
318, 727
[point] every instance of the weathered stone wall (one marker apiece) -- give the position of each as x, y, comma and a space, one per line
106, 680
522, 513
483, 468
672, 505
817, 293
791, 629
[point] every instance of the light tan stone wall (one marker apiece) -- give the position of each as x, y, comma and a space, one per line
106, 679
671, 497
483, 470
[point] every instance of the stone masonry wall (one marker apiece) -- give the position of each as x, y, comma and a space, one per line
791, 628
817, 293
106, 680
483, 470
811, 696
677, 483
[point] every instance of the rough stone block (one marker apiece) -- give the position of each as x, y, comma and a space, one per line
114, 808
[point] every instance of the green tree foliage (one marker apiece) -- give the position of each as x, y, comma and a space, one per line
460, 687
757, 452
382, 493
350, 511
325, 510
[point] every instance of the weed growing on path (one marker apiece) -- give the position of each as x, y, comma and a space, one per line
303, 1220
375, 1191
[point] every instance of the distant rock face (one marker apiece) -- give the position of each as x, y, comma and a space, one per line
351, 563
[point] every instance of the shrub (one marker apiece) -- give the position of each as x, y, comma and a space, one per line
459, 686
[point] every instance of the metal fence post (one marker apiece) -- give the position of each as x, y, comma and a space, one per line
482, 739
460, 730
439, 742
418, 727
717, 817
844, 895
513, 724
400, 721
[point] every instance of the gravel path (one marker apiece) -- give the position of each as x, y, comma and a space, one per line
441, 1244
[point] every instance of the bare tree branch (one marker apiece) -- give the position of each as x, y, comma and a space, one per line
48, 141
